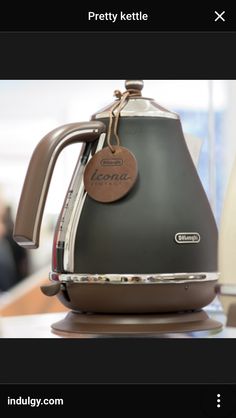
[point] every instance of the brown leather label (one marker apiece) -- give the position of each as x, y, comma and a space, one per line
109, 176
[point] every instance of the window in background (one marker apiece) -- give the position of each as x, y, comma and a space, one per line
206, 121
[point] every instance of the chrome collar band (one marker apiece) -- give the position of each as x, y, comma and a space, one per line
135, 278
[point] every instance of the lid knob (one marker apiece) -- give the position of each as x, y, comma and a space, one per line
134, 85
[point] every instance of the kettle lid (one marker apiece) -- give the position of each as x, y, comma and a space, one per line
136, 105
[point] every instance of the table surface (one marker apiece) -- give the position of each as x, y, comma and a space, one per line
39, 326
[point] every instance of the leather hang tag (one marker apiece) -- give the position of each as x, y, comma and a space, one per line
109, 176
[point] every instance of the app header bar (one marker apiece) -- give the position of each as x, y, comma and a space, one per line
166, 16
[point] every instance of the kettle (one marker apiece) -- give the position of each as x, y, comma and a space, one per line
141, 240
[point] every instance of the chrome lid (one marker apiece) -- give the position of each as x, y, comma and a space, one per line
137, 105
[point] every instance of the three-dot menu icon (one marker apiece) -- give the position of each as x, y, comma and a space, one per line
218, 401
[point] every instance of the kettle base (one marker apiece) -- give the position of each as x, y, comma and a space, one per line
82, 325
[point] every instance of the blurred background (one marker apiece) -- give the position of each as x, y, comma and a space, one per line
29, 109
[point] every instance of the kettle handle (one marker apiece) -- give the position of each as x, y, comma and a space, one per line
39, 173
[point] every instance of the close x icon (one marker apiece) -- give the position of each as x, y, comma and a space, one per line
220, 16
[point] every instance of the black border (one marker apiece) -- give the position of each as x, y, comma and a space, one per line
118, 360
113, 55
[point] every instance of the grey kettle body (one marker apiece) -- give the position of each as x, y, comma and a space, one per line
153, 250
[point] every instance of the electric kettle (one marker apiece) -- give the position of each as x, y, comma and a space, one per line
136, 233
